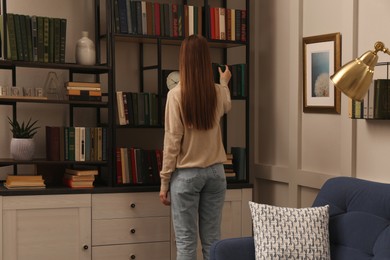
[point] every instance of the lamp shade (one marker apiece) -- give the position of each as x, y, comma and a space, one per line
355, 77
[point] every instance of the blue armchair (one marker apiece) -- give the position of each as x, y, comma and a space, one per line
359, 223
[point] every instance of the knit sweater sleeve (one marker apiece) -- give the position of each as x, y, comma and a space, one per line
174, 130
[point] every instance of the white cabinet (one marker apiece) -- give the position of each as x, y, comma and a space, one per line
130, 226
47, 227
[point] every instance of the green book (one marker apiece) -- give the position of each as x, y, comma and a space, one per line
29, 38
12, 48
46, 35
23, 31
34, 35
40, 32
62, 39
19, 40
51, 40
57, 40
71, 143
382, 98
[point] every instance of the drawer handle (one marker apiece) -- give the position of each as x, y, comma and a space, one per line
85, 247
132, 231
132, 257
132, 205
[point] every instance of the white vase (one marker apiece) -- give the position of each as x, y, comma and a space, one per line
22, 149
85, 50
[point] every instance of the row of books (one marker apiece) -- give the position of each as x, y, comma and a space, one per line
227, 24
137, 108
138, 166
80, 178
238, 82
36, 38
83, 91
376, 103
158, 19
76, 143
178, 20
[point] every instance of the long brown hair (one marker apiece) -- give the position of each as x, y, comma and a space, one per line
198, 94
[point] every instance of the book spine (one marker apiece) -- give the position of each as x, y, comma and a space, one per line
119, 178
128, 17
34, 32
157, 19
62, 39
29, 38
57, 40
13, 51
46, 36
40, 44
19, 39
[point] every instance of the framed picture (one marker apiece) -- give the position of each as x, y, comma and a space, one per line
321, 58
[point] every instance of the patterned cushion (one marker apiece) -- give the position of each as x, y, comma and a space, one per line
290, 233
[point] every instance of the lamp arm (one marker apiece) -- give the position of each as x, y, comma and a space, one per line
380, 46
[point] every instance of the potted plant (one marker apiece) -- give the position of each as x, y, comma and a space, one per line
22, 143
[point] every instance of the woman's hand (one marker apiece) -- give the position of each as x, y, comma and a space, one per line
224, 76
164, 198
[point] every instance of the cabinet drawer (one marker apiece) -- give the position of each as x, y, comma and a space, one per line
130, 230
147, 251
126, 205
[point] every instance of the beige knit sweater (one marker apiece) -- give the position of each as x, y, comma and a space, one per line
186, 147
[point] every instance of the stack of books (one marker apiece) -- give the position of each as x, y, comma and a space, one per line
230, 173
80, 178
83, 91
24, 182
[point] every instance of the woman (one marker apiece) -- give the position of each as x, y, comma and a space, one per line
193, 150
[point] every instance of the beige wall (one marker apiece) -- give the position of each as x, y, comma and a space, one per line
295, 152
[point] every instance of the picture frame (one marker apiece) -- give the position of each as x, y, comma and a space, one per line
321, 58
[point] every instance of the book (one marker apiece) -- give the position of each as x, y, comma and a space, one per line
79, 177
239, 162
78, 184
63, 23
52, 143
81, 172
81, 85
78, 92
382, 98
34, 35
40, 39
128, 17
23, 182
120, 108
122, 13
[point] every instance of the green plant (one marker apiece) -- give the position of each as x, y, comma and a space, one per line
24, 130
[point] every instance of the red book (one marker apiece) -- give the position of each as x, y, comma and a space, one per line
78, 184
216, 21
175, 26
186, 22
53, 143
228, 25
212, 22
119, 179
149, 18
157, 19
133, 164
243, 25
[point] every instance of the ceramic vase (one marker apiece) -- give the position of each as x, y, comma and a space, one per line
85, 50
22, 149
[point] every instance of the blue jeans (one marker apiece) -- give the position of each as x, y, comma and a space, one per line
197, 196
